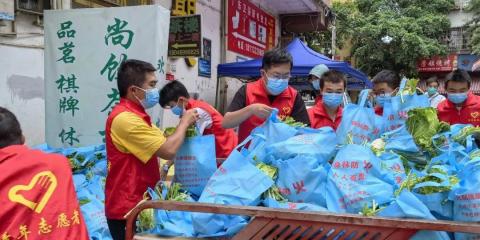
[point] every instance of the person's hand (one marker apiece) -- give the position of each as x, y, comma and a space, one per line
260, 110
190, 117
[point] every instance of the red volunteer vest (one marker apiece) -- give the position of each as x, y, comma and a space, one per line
468, 114
257, 93
319, 117
128, 177
37, 196
225, 139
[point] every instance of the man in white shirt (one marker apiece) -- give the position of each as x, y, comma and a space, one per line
432, 91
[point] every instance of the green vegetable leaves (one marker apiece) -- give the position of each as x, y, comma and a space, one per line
423, 124
291, 122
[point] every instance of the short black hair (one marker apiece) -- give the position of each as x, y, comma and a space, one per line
276, 56
172, 92
333, 77
391, 78
432, 80
458, 75
132, 72
10, 131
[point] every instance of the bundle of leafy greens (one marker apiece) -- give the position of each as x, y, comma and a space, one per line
461, 137
146, 220
171, 130
412, 180
291, 122
423, 124
410, 87
271, 171
370, 211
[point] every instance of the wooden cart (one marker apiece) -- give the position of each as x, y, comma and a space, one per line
268, 223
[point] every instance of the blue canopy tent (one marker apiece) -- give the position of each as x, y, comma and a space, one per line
304, 59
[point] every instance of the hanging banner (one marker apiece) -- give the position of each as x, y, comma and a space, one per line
185, 36
438, 64
83, 50
251, 31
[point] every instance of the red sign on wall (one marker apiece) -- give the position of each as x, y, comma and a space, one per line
438, 64
251, 31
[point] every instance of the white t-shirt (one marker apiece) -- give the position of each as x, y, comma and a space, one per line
204, 120
435, 100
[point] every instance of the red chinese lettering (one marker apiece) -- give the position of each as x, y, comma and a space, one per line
336, 165
299, 187
345, 164
354, 165
361, 176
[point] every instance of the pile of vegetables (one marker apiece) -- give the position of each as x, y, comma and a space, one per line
412, 180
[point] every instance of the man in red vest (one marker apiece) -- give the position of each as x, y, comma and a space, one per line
175, 96
134, 143
461, 106
385, 84
255, 101
37, 196
327, 111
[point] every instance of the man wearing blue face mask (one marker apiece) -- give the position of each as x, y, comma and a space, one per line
327, 110
432, 90
134, 144
385, 84
314, 78
255, 101
461, 106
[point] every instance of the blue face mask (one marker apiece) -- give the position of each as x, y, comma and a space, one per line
332, 100
381, 99
276, 86
152, 96
316, 84
457, 98
177, 110
431, 91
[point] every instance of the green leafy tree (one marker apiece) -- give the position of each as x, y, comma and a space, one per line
474, 29
392, 34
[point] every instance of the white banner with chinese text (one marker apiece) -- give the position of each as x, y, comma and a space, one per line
83, 50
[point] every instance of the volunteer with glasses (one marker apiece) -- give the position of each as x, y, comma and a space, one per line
254, 102
327, 111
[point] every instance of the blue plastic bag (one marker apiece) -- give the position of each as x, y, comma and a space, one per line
355, 179
406, 205
400, 140
392, 168
170, 223
236, 182
321, 145
358, 122
195, 163
96, 186
272, 203
94, 215
270, 132
395, 111
466, 198
303, 179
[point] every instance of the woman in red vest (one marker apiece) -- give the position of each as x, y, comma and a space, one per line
175, 96
255, 101
37, 196
134, 144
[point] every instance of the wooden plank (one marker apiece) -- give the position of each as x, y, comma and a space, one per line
400, 234
256, 225
319, 216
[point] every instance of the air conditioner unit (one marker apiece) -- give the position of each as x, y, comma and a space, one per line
32, 6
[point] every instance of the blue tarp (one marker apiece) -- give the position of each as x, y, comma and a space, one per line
304, 59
